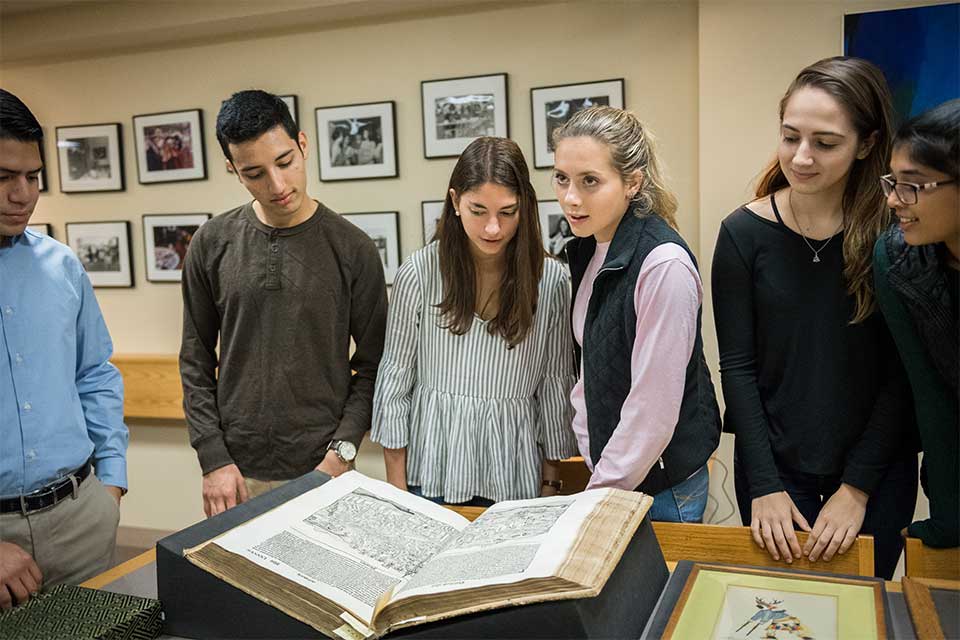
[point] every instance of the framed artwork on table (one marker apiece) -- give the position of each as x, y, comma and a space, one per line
430, 211
104, 251
170, 146
456, 111
357, 141
90, 158
41, 227
551, 107
166, 238
743, 603
383, 227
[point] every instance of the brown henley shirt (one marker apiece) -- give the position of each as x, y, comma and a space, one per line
284, 304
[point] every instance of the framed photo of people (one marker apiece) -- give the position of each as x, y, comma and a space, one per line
104, 251
357, 141
554, 228
456, 111
90, 158
166, 238
170, 146
553, 106
291, 102
383, 227
430, 210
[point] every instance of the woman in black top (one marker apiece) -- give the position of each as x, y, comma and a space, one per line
814, 390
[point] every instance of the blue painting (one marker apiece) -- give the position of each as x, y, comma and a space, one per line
918, 50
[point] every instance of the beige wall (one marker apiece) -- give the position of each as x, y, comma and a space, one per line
706, 76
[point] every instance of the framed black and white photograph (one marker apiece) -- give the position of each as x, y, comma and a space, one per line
43, 228
166, 238
357, 141
431, 210
459, 110
90, 158
291, 102
383, 227
554, 228
42, 179
551, 107
170, 146
104, 251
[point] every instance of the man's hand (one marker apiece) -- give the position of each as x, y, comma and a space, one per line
772, 518
838, 524
116, 492
20, 576
332, 465
223, 489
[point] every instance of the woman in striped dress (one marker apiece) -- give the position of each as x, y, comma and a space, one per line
471, 403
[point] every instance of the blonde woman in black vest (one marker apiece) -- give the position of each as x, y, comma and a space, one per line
646, 417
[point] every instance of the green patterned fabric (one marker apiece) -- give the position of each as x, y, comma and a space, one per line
77, 613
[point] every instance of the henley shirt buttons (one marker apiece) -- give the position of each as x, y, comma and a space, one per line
27, 406
19, 359
8, 310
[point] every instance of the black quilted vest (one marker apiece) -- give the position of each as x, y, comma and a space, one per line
608, 336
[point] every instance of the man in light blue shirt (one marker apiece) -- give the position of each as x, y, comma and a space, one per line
61, 401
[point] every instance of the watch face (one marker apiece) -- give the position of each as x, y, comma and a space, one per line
347, 451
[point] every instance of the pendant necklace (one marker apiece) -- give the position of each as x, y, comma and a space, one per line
816, 252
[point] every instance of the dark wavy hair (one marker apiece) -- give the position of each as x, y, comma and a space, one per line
17, 122
247, 115
933, 138
861, 90
498, 161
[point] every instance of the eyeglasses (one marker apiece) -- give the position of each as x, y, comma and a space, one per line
907, 192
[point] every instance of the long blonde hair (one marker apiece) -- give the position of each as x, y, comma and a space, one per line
860, 88
632, 148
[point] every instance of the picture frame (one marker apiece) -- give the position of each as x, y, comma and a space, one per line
41, 227
933, 606
170, 146
103, 249
90, 158
43, 185
166, 238
383, 227
430, 212
554, 228
551, 107
456, 111
291, 101
733, 602
357, 141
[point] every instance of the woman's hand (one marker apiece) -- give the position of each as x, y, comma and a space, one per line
838, 524
772, 521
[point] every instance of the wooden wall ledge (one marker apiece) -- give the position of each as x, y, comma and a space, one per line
151, 386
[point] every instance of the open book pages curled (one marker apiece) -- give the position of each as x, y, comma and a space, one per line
357, 557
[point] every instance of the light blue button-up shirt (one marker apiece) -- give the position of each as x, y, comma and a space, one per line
61, 401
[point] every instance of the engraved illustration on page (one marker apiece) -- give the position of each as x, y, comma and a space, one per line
393, 535
496, 527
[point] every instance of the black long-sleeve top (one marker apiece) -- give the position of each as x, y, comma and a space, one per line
805, 390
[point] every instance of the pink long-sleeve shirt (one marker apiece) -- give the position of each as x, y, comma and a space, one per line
667, 299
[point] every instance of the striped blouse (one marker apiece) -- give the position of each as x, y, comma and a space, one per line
475, 417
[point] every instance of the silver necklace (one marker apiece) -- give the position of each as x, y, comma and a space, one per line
816, 252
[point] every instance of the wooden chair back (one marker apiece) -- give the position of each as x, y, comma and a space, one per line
735, 545
926, 562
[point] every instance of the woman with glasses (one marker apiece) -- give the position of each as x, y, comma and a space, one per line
916, 263
815, 393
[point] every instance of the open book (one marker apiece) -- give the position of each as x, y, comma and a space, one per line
357, 557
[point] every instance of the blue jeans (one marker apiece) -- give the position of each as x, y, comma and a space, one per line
683, 502
476, 501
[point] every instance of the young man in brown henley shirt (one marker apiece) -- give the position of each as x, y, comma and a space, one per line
284, 284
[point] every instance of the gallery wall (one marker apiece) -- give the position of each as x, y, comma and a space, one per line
705, 76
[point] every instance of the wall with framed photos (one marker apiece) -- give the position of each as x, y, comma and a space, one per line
673, 59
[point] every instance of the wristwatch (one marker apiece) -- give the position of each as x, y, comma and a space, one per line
346, 451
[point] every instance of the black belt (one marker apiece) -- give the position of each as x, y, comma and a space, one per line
47, 496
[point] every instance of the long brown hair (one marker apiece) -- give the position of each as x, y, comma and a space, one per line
632, 147
498, 161
860, 88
